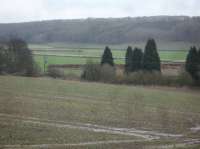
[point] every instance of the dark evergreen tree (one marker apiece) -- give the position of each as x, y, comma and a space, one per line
129, 60
107, 57
137, 59
192, 63
151, 59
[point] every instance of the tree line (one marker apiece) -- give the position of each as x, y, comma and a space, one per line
17, 58
149, 61
136, 60
104, 31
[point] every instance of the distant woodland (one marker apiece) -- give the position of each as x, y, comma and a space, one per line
119, 30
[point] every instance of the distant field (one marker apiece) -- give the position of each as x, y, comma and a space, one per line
79, 53
47, 111
160, 44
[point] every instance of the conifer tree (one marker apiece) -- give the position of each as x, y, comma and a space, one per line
129, 60
137, 59
192, 62
107, 57
151, 59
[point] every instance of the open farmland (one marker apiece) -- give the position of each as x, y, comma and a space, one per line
48, 113
60, 53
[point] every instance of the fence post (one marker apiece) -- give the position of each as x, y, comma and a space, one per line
45, 58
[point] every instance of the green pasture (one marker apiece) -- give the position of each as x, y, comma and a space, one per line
162, 45
165, 55
78, 53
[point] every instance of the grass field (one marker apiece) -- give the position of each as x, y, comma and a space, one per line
35, 111
79, 53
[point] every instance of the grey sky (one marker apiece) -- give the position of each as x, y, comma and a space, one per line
31, 10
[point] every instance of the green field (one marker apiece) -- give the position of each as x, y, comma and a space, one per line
35, 111
162, 45
79, 53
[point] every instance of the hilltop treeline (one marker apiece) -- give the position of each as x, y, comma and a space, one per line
121, 30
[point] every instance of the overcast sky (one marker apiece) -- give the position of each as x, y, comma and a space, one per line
32, 10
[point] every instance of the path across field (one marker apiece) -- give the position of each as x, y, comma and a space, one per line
144, 135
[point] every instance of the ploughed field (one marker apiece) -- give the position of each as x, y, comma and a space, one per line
48, 113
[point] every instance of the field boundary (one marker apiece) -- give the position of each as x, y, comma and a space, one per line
117, 58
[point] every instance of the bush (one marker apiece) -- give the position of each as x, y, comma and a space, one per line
107, 73
144, 78
155, 78
119, 77
96, 72
72, 76
56, 72
184, 78
91, 71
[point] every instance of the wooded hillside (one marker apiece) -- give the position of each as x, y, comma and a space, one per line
119, 30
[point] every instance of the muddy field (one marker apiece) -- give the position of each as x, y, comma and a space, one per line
48, 113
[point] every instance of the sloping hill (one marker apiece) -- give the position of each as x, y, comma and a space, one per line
119, 30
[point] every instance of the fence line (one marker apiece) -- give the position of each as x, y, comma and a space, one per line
101, 49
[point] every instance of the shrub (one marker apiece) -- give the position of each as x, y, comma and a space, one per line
147, 78
144, 78
72, 76
91, 71
107, 73
96, 72
56, 72
184, 78
119, 77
